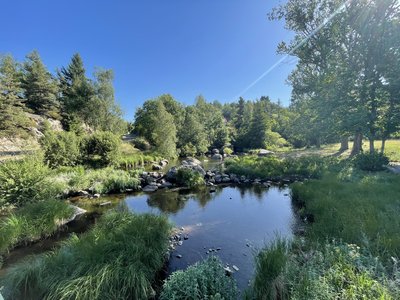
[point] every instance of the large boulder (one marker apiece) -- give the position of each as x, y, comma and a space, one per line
217, 157
191, 161
264, 152
215, 151
150, 188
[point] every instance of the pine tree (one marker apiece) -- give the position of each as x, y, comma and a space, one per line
76, 89
40, 88
13, 120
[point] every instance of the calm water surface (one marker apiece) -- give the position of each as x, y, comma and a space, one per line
238, 220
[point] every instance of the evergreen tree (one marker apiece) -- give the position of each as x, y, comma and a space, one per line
40, 89
13, 120
76, 90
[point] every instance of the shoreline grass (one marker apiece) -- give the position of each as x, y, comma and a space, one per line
117, 259
32, 222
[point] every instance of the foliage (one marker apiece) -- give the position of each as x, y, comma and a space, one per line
102, 146
189, 177
268, 282
23, 181
103, 181
356, 207
273, 167
32, 222
61, 148
117, 259
227, 151
40, 88
204, 280
371, 161
13, 121
141, 143
330, 271
136, 160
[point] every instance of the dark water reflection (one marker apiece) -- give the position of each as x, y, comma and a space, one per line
237, 219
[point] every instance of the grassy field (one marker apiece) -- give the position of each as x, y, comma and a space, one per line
392, 150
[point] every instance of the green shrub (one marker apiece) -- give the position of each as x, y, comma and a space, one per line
371, 161
118, 259
32, 222
205, 280
141, 143
328, 271
189, 177
227, 151
25, 180
338, 271
102, 147
61, 149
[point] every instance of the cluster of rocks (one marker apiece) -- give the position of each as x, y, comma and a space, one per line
152, 181
177, 239
159, 166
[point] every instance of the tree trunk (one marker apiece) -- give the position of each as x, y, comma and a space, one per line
357, 145
344, 144
383, 144
371, 145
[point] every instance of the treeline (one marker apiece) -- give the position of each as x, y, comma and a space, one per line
174, 129
346, 82
69, 96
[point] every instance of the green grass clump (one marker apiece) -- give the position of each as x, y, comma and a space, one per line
24, 181
362, 209
270, 264
32, 222
204, 280
107, 180
273, 167
117, 259
189, 177
136, 160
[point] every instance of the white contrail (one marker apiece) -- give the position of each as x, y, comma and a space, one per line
305, 40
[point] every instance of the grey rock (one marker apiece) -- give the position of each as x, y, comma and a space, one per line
217, 157
150, 188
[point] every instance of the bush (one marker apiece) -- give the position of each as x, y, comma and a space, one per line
328, 271
141, 143
23, 181
118, 259
371, 161
61, 149
32, 222
189, 177
102, 147
227, 151
205, 280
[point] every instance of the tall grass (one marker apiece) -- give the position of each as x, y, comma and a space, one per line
136, 160
362, 208
107, 180
117, 259
268, 282
273, 167
32, 222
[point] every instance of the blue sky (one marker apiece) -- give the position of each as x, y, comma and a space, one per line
183, 47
